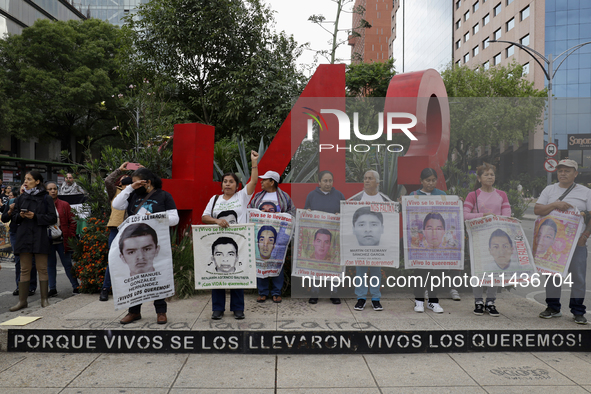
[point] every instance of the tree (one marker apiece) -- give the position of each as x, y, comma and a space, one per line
369, 79
231, 69
320, 20
490, 107
59, 78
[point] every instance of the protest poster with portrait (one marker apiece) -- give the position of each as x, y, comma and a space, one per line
433, 232
316, 244
499, 251
370, 233
273, 231
140, 261
224, 257
555, 239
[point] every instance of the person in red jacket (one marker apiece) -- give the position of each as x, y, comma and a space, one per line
67, 224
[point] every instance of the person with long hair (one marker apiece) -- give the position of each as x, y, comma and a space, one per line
483, 201
67, 224
114, 183
223, 209
143, 197
33, 212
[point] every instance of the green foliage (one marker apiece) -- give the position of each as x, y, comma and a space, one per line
91, 255
518, 204
183, 264
369, 79
57, 77
489, 107
232, 69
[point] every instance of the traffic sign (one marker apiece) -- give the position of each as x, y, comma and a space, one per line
550, 165
551, 149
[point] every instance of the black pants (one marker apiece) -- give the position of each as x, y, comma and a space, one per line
160, 306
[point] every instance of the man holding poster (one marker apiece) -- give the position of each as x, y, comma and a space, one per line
566, 195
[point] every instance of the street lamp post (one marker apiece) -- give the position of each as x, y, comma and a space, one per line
549, 73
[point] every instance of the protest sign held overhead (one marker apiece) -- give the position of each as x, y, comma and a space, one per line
499, 251
433, 232
273, 232
140, 261
370, 233
317, 244
555, 240
224, 257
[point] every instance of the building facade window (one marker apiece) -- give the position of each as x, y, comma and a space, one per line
524, 13
498, 34
458, 44
524, 40
486, 65
466, 15
475, 28
526, 68
485, 43
475, 7
485, 20
458, 4
497, 9
510, 51
466, 37
458, 24
497, 59
475, 51
466, 58
509, 2
511, 24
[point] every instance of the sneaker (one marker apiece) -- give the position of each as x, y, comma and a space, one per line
76, 290
419, 306
377, 306
580, 319
104, 295
313, 301
15, 293
455, 295
360, 304
435, 307
335, 301
479, 309
52, 293
491, 310
550, 313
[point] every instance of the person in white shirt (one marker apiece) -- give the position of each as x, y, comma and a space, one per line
578, 197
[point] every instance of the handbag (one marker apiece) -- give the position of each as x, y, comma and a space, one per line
54, 232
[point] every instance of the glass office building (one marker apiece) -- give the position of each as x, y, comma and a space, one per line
112, 11
568, 23
424, 35
15, 15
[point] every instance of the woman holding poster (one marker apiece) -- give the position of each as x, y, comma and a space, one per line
428, 236
324, 198
486, 200
223, 210
144, 197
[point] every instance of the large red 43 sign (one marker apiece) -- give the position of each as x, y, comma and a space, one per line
421, 94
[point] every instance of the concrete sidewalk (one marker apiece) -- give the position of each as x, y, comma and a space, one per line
205, 373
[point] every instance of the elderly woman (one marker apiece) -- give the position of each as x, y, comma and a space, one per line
324, 198
33, 212
282, 200
145, 196
232, 203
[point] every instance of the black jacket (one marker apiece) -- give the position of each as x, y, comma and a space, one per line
31, 234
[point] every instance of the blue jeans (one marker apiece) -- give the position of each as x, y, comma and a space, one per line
361, 291
218, 300
66, 259
17, 267
112, 234
578, 270
276, 285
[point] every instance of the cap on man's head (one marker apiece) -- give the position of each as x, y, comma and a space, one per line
270, 175
568, 163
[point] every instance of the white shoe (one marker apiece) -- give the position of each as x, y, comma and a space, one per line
419, 306
435, 307
455, 295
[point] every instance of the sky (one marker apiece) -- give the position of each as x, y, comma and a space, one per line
292, 17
